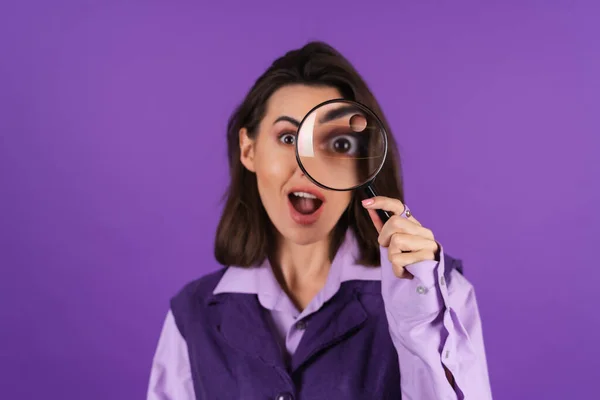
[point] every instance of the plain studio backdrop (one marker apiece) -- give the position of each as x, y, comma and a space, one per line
113, 164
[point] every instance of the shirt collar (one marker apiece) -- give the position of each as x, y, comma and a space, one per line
261, 281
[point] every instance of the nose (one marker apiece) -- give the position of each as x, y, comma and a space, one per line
298, 173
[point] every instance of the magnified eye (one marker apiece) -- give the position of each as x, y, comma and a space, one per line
344, 144
288, 138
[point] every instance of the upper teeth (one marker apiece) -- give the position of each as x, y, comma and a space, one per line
304, 194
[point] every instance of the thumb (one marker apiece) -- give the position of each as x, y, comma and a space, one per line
376, 220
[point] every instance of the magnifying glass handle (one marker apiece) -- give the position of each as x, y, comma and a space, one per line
383, 215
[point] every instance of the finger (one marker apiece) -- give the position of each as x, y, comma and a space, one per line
413, 219
398, 224
402, 242
394, 206
401, 260
376, 220
400, 271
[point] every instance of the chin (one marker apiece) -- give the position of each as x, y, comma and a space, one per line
303, 236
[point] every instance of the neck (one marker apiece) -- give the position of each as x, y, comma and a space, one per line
302, 270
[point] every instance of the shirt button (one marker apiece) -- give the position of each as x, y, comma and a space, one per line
301, 325
442, 281
284, 396
421, 290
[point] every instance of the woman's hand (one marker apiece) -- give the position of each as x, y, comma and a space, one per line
407, 241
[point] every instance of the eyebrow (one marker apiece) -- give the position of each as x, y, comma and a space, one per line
338, 113
287, 119
329, 115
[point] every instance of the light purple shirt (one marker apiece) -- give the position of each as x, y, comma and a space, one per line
424, 342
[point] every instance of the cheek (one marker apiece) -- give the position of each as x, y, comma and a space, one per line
272, 172
273, 167
339, 201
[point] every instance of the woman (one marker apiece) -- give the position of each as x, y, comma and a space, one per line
318, 299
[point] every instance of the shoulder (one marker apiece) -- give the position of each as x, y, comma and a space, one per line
193, 297
458, 285
453, 263
453, 270
200, 288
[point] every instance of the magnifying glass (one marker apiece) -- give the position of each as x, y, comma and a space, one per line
341, 145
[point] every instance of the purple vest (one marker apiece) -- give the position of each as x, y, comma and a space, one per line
346, 351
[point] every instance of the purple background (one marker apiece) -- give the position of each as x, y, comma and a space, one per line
112, 163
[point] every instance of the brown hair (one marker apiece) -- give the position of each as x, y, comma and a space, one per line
245, 234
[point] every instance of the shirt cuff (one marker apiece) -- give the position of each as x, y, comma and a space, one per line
426, 292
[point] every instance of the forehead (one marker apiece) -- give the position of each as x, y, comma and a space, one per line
297, 100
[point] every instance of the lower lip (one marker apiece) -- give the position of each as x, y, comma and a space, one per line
304, 219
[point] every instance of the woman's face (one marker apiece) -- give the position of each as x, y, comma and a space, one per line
301, 211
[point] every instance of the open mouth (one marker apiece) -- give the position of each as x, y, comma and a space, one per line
305, 203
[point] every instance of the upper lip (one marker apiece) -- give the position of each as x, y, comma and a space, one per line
309, 190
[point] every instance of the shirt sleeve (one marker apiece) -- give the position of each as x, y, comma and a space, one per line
170, 376
434, 323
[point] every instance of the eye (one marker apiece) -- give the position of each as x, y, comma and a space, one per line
288, 138
344, 144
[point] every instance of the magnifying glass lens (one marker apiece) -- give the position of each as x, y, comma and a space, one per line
341, 145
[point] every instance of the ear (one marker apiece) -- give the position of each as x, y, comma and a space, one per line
246, 150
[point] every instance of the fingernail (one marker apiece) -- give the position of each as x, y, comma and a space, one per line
368, 202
